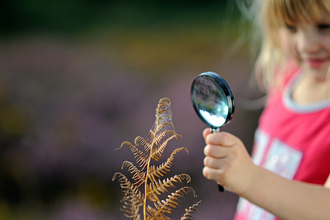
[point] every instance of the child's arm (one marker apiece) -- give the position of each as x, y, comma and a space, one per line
327, 183
228, 163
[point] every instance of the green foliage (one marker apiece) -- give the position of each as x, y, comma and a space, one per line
69, 16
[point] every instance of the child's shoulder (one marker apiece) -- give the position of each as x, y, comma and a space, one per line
283, 77
290, 70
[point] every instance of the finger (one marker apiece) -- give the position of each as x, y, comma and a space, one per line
221, 138
216, 151
214, 163
206, 132
212, 174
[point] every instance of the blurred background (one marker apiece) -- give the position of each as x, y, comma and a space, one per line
79, 77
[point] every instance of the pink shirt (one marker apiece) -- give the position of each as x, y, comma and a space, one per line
293, 141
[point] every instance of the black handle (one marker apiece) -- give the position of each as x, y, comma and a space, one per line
221, 189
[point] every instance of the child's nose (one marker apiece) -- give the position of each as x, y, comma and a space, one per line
308, 42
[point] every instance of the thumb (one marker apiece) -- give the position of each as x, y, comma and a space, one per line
206, 132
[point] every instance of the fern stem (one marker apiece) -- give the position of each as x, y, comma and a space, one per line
154, 141
146, 181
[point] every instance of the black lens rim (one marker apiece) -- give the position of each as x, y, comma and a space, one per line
222, 84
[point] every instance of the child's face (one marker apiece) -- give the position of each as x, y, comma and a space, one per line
308, 43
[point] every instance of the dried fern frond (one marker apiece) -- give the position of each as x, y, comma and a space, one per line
163, 121
165, 167
165, 206
191, 210
138, 177
124, 182
148, 175
130, 190
131, 205
157, 188
146, 143
157, 153
141, 158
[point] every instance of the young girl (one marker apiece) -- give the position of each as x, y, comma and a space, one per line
288, 177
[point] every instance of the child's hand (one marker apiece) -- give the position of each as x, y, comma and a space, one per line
227, 162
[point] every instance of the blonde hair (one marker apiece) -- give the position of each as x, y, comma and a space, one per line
271, 15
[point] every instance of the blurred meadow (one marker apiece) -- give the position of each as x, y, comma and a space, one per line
79, 77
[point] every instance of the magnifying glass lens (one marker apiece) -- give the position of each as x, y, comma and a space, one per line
212, 102
212, 99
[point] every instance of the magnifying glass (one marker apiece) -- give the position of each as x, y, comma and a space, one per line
213, 101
